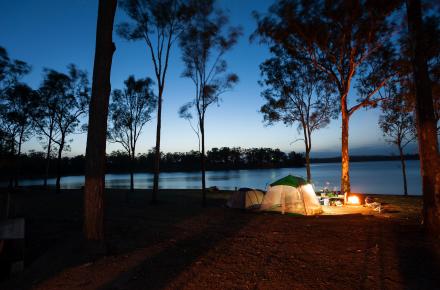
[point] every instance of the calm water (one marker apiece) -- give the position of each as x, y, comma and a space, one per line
383, 177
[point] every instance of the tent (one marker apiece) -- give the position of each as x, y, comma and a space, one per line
246, 198
291, 194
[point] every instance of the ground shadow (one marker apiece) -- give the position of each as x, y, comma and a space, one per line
54, 229
157, 271
398, 254
419, 259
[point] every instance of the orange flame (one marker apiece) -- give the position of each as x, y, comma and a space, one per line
353, 199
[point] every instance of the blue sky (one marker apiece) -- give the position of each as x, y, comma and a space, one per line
54, 33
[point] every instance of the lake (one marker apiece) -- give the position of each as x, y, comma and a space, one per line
382, 177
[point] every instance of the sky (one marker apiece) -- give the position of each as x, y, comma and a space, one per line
54, 33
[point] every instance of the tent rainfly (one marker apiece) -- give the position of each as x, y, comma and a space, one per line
291, 194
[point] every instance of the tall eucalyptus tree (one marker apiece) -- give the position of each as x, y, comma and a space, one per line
159, 23
130, 110
204, 44
349, 41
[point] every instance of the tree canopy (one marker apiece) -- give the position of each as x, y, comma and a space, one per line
130, 110
350, 42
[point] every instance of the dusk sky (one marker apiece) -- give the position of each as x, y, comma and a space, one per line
53, 34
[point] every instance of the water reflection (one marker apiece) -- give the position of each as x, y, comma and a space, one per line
383, 177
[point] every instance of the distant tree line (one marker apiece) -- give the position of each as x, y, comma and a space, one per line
359, 158
224, 158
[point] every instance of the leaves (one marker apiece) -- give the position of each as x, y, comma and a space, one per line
16, 118
204, 42
159, 23
11, 71
295, 93
348, 41
130, 110
397, 120
63, 100
17, 101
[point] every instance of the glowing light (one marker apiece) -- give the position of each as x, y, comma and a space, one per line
353, 199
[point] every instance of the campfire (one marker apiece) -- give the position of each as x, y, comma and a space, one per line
353, 200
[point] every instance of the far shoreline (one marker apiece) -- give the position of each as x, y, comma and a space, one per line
326, 160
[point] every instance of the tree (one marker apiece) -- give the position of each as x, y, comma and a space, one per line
425, 120
397, 124
71, 102
19, 101
349, 41
296, 93
11, 71
130, 110
204, 43
159, 23
51, 89
97, 126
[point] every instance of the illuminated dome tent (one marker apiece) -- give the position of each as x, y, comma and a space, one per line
291, 194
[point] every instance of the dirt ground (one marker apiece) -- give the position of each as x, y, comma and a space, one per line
177, 244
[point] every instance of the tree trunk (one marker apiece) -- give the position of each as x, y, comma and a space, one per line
60, 151
309, 174
132, 172
11, 172
307, 147
49, 148
203, 163
402, 161
96, 135
17, 172
157, 150
345, 172
426, 123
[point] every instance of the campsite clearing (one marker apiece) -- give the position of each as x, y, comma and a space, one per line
177, 244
